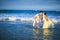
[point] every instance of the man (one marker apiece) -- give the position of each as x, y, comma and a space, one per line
38, 19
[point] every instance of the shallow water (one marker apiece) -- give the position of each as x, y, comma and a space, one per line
18, 26
22, 31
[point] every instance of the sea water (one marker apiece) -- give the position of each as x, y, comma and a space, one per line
19, 26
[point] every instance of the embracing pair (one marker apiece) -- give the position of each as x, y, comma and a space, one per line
41, 20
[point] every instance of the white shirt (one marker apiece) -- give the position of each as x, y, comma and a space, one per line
39, 18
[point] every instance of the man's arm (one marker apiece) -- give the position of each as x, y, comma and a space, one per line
34, 23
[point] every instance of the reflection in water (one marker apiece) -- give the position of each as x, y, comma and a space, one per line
47, 34
42, 34
37, 34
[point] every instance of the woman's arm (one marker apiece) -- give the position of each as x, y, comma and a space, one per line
46, 17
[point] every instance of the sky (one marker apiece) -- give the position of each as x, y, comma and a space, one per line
30, 4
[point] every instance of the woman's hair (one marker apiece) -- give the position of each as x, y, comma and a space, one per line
44, 13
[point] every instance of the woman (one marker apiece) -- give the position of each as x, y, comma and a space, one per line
48, 23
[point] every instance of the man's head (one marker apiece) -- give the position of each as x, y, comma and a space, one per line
41, 13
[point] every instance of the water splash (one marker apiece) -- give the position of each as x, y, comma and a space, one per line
50, 23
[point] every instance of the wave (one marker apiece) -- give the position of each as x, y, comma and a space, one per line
27, 20
56, 19
23, 17
15, 19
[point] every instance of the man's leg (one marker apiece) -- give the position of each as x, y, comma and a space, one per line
38, 25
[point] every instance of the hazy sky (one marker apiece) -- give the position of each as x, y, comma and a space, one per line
30, 4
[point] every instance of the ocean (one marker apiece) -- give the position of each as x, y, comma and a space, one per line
19, 26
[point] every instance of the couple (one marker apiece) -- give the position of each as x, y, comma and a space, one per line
41, 20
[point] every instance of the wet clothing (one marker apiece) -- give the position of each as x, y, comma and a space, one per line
39, 21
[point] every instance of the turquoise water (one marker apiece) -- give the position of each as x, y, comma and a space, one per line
20, 28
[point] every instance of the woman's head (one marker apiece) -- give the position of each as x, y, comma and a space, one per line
44, 13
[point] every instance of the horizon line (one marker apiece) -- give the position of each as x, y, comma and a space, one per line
30, 9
